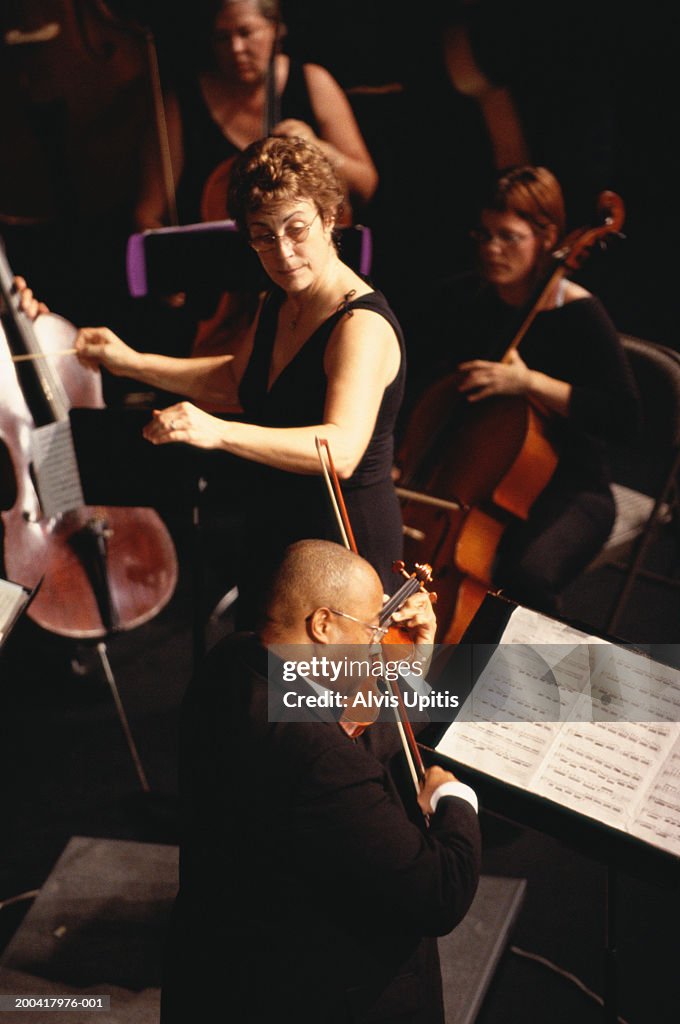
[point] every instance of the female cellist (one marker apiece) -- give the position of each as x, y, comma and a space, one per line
570, 362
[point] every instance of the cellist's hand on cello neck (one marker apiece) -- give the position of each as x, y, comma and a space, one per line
480, 379
31, 306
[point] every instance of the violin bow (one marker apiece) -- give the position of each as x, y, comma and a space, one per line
408, 740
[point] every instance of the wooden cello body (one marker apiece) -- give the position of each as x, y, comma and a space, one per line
513, 462
101, 570
467, 471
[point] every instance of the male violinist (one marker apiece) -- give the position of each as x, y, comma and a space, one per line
312, 882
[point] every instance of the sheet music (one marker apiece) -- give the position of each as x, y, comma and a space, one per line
658, 821
605, 770
56, 468
628, 686
13, 598
507, 750
576, 720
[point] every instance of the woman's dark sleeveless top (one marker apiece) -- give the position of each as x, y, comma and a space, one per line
205, 146
283, 506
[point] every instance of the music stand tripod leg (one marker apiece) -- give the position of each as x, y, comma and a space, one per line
108, 673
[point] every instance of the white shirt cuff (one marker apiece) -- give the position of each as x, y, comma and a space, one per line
459, 789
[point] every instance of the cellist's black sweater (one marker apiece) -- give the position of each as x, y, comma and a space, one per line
576, 342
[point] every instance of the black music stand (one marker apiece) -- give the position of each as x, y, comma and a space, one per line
215, 256
615, 849
118, 467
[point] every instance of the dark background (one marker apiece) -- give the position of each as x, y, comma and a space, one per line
594, 85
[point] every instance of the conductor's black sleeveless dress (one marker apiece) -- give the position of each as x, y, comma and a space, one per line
282, 507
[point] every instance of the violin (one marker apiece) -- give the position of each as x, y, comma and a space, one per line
467, 470
103, 569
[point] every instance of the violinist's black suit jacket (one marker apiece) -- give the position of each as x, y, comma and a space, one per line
306, 890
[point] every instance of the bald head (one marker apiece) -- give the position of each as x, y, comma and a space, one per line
314, 574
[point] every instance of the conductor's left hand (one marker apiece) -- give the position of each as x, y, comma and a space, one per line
185, 422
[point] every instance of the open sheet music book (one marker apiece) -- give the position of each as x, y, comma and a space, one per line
13, 600
587, 724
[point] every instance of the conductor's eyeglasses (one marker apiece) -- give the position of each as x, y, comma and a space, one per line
264, 241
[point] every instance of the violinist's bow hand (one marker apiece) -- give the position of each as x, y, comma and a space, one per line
434, 777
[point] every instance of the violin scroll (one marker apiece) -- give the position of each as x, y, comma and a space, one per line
421, 572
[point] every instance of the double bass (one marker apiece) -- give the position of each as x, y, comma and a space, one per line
465, 471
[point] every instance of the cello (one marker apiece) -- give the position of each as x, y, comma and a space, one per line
100, 570
455, 508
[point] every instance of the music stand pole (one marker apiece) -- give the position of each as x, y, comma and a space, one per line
110, 679
198, 632
610, 976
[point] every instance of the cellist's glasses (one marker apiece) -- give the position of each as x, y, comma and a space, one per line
506, 239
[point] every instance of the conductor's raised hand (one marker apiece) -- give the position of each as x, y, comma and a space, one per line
99, 346
185, 422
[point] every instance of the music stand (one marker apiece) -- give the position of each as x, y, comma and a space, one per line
215, 256
119, 467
